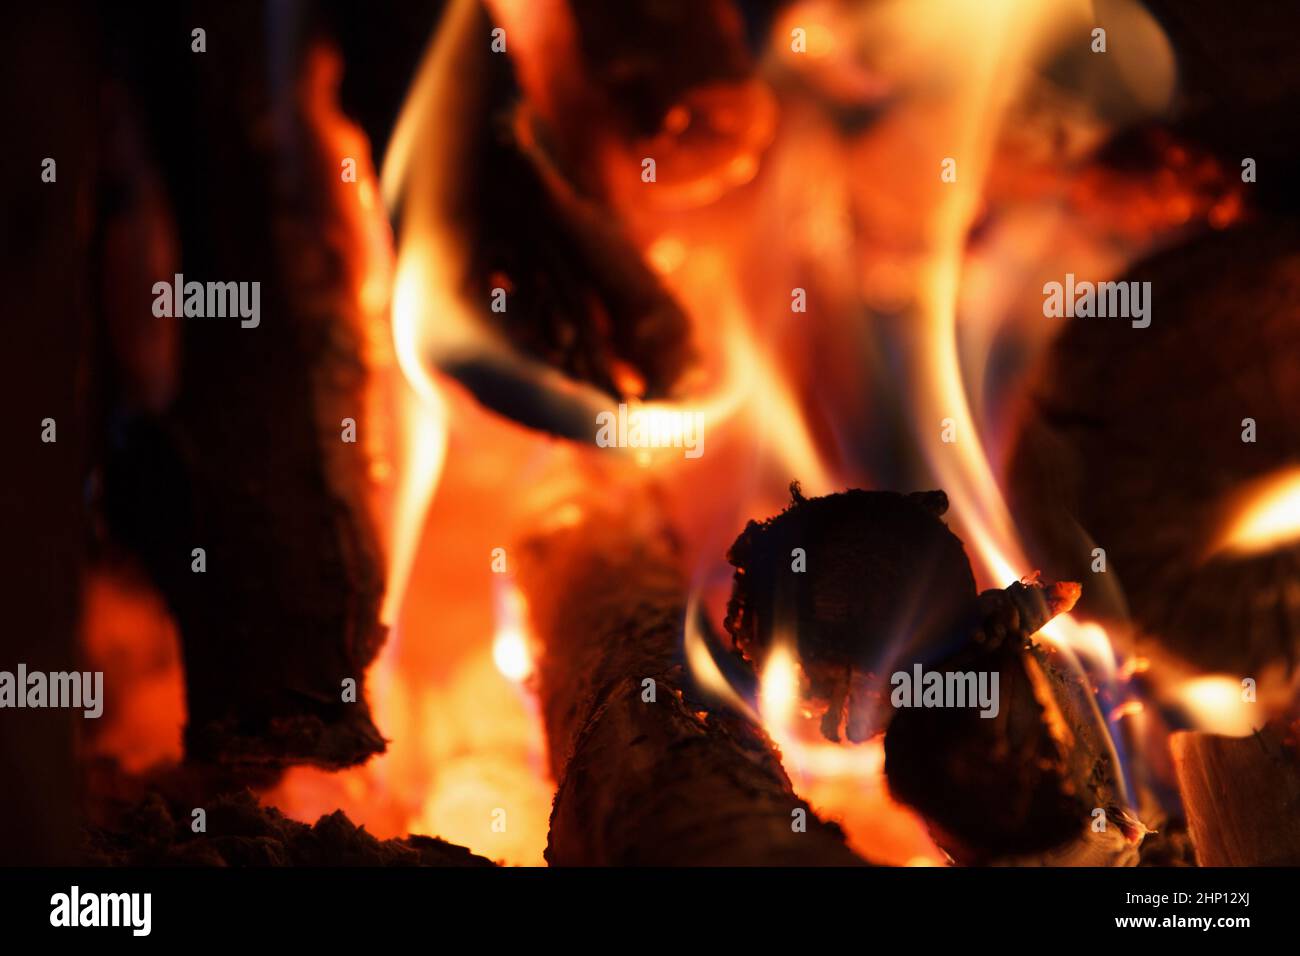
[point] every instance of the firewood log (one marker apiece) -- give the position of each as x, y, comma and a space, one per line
1241, 795
577, 295
1038, 784
647, 775
1132, 441
888, 589
248, 462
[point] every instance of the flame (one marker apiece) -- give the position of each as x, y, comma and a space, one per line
510, 645
846, 783
779, 693
1266, 516
962, 67
1217, 704
993, 59
466, 759
422, 418
1012, 33
774, 200
704, 670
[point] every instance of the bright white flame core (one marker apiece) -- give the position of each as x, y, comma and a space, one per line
1269, 518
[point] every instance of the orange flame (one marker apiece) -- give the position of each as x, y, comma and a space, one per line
1218, 705
1266, 516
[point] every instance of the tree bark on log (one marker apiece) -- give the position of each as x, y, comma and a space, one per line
1241, 795
248, 462
648, 778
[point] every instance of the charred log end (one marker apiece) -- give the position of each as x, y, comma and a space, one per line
878, 565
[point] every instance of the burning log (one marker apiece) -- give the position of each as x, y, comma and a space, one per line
1241, 795
1038, 782
870, 553
614, 84
647, 775
888, 587
1139, 436
249, 462
533, 261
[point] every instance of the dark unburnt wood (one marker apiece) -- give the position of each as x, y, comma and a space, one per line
247, 461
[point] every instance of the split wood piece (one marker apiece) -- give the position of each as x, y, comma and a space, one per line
1241, 795
644, 781
1132, 442
248, 461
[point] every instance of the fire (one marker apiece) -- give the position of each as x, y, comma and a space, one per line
510, 650
126, 627
753, 207
1266, 516
761, 206
466, 760
421, 415
964, 68
780, 687
847, 783
1217, 704
704, 669
1006, 36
